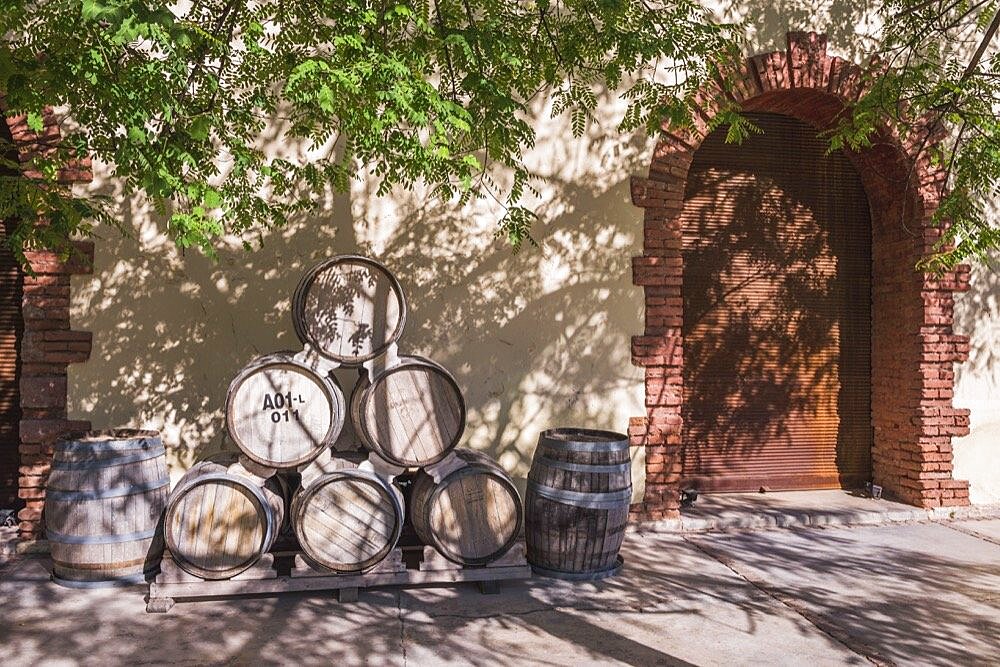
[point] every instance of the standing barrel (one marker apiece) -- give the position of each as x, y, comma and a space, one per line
105, 498
411, 414
349, 308
281, 413
473, 515
219, 523
577, 503
347, 520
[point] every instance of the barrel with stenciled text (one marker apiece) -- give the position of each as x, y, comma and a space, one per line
282, 413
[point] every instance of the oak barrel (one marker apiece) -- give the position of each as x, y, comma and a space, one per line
473, 515
104, 502
281, 413
411, 414
220, 522
577, 503
347, 520
349, 308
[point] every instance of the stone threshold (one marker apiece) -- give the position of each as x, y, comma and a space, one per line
801, 509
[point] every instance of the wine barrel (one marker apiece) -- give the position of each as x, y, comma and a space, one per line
104, 501
347, 520
219, 523
281, 413
349, 308
411, 414
577, 503
473, 515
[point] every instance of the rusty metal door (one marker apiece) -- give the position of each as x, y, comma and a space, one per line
11, 327
777, 314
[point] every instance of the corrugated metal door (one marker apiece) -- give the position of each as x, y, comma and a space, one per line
777, 314
11, 327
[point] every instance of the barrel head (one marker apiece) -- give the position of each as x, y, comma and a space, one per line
282, 414
349, 308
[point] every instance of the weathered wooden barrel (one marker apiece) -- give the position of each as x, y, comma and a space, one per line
347, 520
104, 501
472, 515
281, 413
349, 308
577, 502
411, 414
220, 522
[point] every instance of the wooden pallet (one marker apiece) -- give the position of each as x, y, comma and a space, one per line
263, 578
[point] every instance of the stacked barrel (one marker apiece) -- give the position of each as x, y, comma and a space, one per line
284, 411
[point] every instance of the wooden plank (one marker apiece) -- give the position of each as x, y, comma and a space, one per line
175, 584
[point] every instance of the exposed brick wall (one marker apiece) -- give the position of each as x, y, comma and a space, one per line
48, 344
914, 346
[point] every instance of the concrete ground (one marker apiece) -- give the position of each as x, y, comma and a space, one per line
915, 593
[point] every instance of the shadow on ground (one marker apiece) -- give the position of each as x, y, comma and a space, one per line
922, 593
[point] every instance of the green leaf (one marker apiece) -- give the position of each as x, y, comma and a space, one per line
36, 123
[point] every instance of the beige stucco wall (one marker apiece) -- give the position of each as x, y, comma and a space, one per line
977, 386
536, 339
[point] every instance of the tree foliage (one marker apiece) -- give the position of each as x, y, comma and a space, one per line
179, 98
936, 66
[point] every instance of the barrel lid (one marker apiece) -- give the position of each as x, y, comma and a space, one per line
583, 439
108, 441
311, 496
349, 308
276, 434
381, 429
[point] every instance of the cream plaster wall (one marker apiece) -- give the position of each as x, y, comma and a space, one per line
536, 339
977, 386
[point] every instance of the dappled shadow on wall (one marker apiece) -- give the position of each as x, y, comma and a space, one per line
535, 339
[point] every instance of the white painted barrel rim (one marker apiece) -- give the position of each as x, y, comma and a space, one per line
309, 338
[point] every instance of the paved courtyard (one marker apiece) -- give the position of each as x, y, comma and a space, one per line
913, 593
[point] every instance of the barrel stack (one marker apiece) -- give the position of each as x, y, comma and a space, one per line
285, 411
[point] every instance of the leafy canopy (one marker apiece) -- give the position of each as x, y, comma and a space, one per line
180, 98
936, 64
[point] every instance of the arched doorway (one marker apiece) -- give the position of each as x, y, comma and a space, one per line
777, 314
913, 347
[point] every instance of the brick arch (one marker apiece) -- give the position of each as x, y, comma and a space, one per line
912, 379
48, 344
